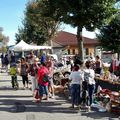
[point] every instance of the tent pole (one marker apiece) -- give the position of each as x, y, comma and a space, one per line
22, 53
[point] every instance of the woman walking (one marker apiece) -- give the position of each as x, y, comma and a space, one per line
24, 68
76, 80
33, 74
50, 67
89, 75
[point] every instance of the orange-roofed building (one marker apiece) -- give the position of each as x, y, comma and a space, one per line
65, 41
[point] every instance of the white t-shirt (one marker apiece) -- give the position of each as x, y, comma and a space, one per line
90, 75
76, 77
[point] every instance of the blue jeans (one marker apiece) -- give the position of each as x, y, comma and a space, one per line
91, 89
43, 90
75, 94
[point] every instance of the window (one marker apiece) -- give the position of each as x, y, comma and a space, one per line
68, 51
73, 51
87, 51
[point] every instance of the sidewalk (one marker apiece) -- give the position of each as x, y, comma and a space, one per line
19, 105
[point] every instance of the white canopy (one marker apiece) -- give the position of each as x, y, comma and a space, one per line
41, 47
23, 46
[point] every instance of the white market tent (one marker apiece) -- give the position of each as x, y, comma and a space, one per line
23, 46
41, 47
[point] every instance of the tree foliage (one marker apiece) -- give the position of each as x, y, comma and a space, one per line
4, 40
110, 35
36, 29
21, 35
86, 13
90, 14
1, 34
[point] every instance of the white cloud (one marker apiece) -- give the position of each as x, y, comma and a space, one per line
88, 34
85, 33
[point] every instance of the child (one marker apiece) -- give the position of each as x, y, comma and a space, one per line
13, 73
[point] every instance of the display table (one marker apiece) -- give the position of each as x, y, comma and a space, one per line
112, 98
108, 84
111, 89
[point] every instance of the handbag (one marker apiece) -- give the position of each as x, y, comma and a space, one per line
45, 78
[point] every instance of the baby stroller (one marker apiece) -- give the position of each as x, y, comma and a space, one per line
13, 73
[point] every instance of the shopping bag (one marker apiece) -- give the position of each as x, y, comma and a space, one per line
36, 94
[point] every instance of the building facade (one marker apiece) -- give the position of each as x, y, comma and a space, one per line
66, 43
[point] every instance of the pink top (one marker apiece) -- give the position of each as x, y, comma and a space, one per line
50, 68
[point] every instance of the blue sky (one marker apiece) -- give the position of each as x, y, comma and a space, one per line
12, 14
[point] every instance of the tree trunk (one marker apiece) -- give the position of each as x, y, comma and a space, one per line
80, 42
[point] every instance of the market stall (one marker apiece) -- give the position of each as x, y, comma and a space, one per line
110, 100
23, 46
108, 84
109, 95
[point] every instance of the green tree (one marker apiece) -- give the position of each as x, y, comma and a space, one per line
1, 35
110, 35
21, 35
90, 14
36, 29
4, 40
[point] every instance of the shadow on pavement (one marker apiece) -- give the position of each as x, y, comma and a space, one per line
98, 115
52, 106
29, 106
14, 96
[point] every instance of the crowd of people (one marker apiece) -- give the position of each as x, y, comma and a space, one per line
31, 68
82, 83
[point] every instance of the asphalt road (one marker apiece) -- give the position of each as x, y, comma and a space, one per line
19, 105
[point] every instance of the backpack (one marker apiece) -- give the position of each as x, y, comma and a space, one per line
45, 78
86, 76
86, 81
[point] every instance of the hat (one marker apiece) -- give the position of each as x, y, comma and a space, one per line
37, 59
106, 65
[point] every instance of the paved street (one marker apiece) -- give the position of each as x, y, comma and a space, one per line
19, 105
